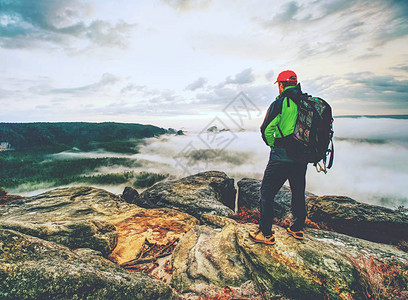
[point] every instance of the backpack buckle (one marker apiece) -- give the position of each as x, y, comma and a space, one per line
320, 168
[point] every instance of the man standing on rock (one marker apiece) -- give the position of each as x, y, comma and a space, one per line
279, 123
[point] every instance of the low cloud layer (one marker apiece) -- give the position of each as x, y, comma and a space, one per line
364, 169
369, 166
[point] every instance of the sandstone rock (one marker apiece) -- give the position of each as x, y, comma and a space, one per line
316, 268
206, 259
80, 217
208, 192
217, 221
158, 226
32, 268
249, 196
345, 215
130, 195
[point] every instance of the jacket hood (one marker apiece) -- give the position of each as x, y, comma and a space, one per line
293, 93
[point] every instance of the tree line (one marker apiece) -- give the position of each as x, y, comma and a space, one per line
85, 136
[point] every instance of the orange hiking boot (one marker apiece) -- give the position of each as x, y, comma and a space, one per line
296, 234
260, 238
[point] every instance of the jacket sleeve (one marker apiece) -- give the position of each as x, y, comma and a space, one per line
269, 125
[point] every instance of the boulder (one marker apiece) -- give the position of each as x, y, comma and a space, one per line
80, 217
157, 226
130, 195
322, 266
249, 196
345, 215
208, 259
32, 268
209, 192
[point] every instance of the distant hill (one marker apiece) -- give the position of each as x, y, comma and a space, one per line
375, 116
76, 134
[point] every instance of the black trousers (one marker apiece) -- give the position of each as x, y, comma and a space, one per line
276, 173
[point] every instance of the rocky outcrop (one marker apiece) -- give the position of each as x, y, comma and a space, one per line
93, 224
213, 255
325, 265
157, 226
341, 214
345, 215
130, 195
32, 268
208, 192
81, 217
320, 267
208, 259
249, 197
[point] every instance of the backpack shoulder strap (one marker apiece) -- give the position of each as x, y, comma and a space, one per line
331, 154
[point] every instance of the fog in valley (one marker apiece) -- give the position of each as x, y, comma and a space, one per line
370, 163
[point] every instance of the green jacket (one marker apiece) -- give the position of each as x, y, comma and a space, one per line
282, 112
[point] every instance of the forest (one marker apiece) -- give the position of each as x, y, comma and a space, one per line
56, 137
30, 160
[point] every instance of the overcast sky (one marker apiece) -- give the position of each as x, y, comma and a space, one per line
171, 61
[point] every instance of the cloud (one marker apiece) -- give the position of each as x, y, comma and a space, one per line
165, 97
332, 27
383, 85
334, 6
337, 40
107, 79
361, 93
186, 5
129, 88
5, 93
350, 32
242, 78
293, 13
218, 96
287, 15
105, 34
246, 76
199, 83
324, 30
31, 23
397, 24
270, 76
401, 68
367, 56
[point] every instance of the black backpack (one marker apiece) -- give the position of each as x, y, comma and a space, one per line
313, 132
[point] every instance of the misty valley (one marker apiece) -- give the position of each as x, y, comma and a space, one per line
29, 158
370, 161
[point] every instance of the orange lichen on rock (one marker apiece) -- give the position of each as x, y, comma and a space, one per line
158, 226
285, 223
232, 293
247, 216
382, 279
4, 197
167, 267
